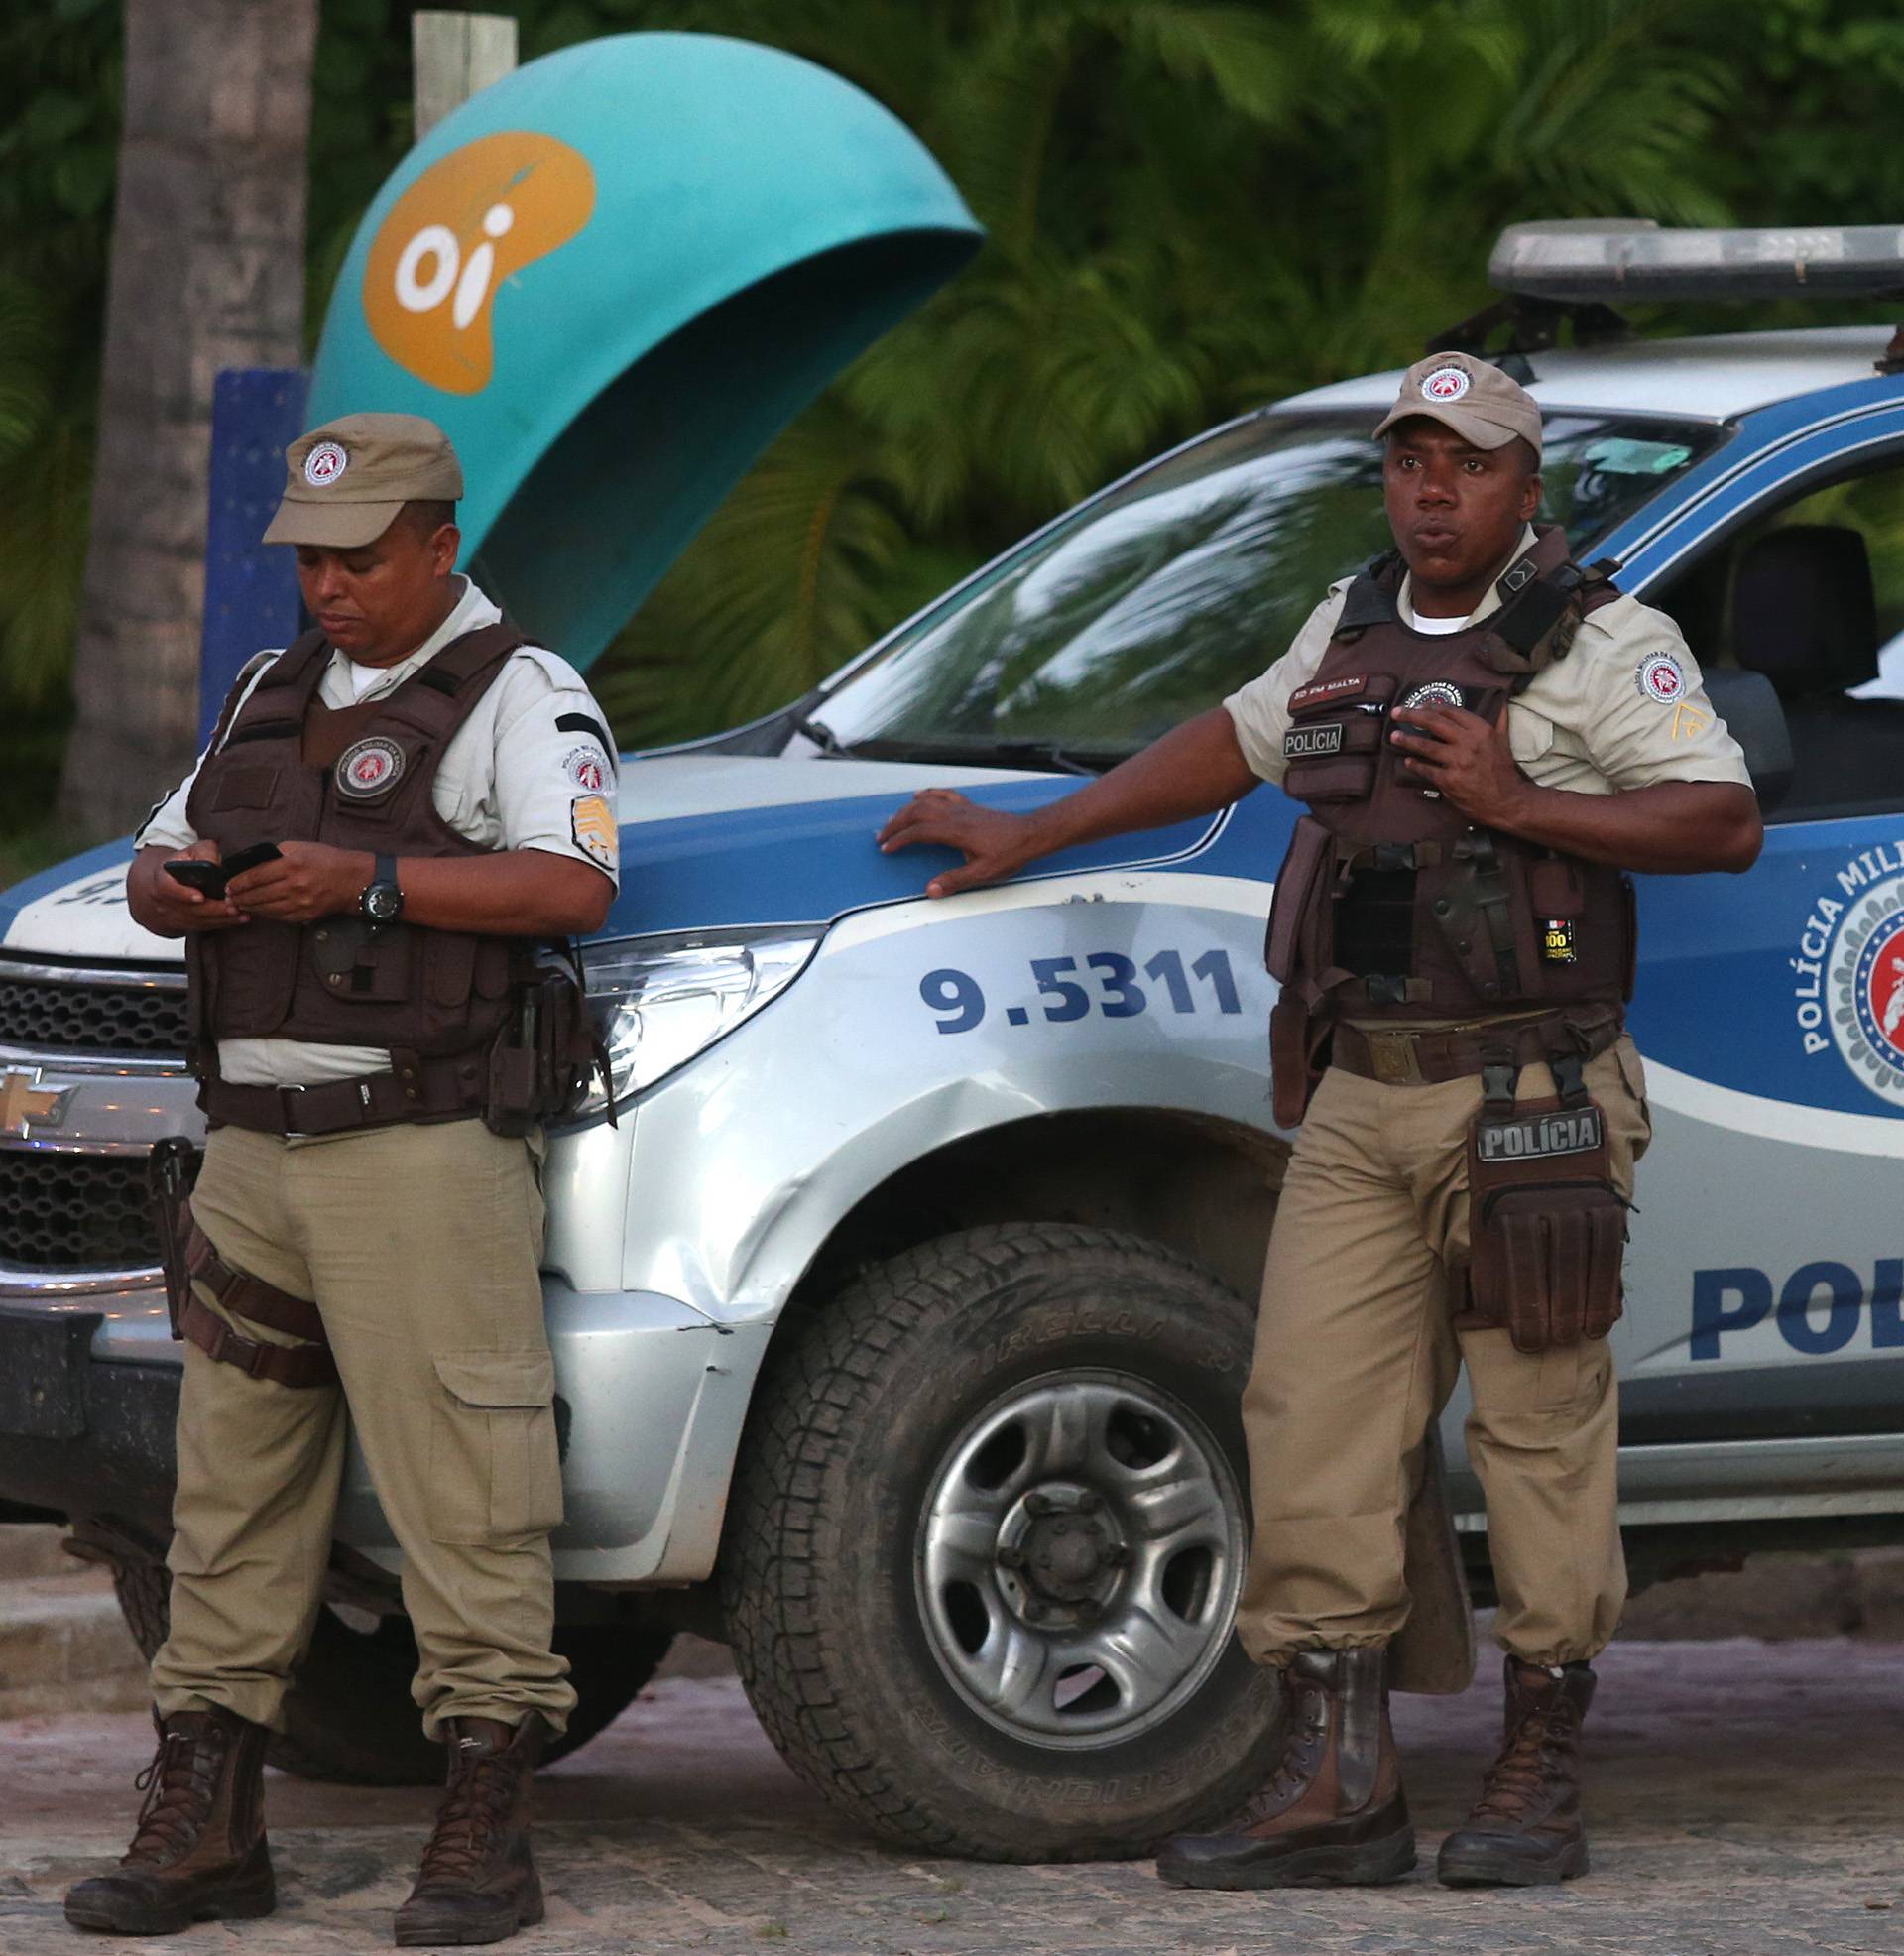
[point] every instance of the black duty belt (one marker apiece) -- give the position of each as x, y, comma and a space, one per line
412, 1090
1404, 1055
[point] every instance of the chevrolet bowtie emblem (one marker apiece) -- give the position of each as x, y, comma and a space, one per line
24, 1103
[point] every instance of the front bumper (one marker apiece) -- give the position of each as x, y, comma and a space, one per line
82, 1438
650, 1398
652, 1390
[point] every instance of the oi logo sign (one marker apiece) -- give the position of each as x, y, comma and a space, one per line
471, 220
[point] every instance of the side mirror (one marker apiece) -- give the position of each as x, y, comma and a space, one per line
1750, 706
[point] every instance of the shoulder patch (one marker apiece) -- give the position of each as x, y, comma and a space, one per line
587, 767
591, 825
1661, 678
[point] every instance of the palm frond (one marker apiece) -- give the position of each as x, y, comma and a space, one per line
787, 581
1255, 60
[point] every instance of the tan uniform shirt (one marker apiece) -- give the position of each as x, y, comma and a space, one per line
512, 777
1625, 708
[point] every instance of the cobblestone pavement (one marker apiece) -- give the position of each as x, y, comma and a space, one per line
1746, 1799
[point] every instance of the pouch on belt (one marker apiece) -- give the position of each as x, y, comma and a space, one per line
1547, 1228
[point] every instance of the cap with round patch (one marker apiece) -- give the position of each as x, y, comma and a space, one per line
1473, 397
325, 463
345, 482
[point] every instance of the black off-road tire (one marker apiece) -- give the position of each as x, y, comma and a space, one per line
848, 1428
349, 1716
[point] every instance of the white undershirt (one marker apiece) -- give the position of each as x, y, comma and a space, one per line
363, 677
1434, 628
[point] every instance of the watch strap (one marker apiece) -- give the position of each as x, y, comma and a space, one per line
382, 876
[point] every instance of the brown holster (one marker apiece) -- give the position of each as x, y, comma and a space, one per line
1298, 1033
1546, 1228
542, 1057
189, 1259
1298, 1057
171, 1168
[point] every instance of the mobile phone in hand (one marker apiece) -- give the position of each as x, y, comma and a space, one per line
209, 879
249, 857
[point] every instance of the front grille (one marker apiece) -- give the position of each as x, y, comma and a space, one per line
92, 1018
72, 1212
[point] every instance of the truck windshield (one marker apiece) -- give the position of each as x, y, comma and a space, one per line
1154, 602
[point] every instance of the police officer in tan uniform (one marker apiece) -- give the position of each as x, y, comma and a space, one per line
1488, 736
377, 1040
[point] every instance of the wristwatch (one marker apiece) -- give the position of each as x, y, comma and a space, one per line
381, 900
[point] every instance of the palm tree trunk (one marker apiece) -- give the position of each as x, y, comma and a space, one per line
207, 271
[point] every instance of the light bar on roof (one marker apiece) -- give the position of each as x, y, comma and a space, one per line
1581, 261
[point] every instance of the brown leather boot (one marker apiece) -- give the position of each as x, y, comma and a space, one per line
198, 1852
478, 1882
1333, 1813
1526, 1830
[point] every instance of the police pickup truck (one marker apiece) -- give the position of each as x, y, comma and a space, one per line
900, 1317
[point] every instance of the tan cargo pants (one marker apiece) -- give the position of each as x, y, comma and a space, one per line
419, 1246
1356, 1354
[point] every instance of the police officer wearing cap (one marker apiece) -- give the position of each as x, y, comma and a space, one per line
426, 803
1486, 737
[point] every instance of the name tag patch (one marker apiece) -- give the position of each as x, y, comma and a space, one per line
1304, 743
1528, 1137
1352, 686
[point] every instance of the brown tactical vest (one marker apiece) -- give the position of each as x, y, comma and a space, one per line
290, 768
1390, 904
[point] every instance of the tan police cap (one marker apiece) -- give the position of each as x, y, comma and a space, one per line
1471, 397
345, 481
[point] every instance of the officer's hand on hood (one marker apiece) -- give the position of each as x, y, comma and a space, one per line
994, 845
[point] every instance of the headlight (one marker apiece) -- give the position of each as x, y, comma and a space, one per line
655, 1002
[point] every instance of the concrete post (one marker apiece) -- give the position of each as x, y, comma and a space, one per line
454, 57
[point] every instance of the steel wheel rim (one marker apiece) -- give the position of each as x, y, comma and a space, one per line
1079, 1558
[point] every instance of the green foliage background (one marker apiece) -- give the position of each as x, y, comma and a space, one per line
1191, 207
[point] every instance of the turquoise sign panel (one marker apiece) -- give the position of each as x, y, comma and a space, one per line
613, 278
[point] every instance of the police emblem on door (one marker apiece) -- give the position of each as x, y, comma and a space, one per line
1866, 986
369, 768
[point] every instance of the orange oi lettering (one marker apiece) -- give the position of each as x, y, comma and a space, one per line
469, 222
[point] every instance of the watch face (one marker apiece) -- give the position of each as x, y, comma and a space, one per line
382, 902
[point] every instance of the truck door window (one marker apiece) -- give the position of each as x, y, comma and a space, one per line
1812, 595
1152, 602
